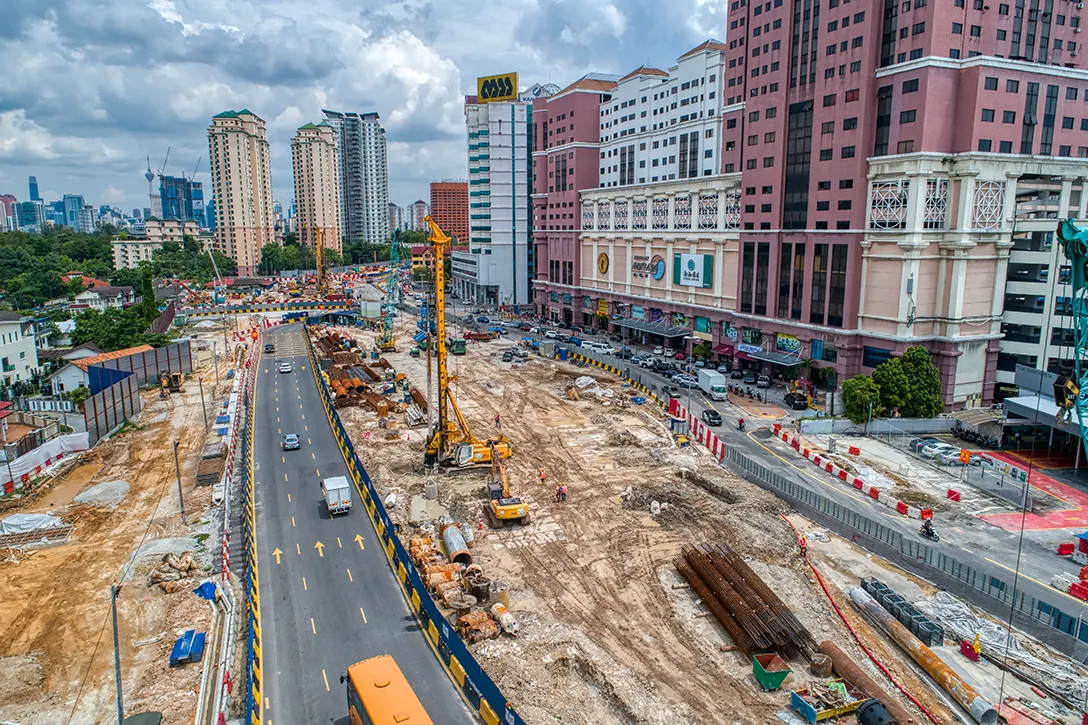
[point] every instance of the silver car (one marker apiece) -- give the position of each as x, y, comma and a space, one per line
939, 449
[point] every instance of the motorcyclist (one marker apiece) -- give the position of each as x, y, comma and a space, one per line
740, 423
927, 527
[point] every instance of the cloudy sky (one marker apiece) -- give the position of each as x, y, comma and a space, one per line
92, 87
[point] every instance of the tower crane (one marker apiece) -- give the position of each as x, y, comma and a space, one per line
1071, 392
452, 442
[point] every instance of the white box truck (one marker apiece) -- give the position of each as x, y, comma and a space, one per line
337, 492
712, 383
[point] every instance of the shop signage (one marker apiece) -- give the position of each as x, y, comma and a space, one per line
567, 299
490, 89
692, 270
745, 347
638, 313
640, 266
586, 302
602, 263
788, 344
602, 308
657, 267
553, 296
679, 319
729, 331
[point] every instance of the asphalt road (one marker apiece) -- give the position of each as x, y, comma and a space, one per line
328, 596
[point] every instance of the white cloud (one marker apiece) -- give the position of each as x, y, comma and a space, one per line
112, 195
24, 140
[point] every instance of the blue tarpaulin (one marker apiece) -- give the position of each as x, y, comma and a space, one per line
206, 591
222, 419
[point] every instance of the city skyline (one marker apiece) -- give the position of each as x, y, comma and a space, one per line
180, 62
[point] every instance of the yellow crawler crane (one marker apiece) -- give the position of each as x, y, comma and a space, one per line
451, 442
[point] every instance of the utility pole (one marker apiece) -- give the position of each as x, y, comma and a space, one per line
114, 591
177, 468
203, 408
215, 360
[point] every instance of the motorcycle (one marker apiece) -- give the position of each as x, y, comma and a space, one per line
928, 532
740, 424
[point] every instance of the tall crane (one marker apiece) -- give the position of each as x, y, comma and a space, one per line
1072, 392
452, 442
387, 341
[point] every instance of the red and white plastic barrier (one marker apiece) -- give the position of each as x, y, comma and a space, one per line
700, 432
846, 477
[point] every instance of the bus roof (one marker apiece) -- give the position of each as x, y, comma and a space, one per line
385, 692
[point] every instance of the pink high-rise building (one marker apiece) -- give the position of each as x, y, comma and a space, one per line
566, 143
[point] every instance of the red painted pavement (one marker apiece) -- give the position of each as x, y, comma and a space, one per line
1075, 517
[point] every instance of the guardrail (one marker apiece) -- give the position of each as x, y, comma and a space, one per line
250, 309
254, 678
476, 686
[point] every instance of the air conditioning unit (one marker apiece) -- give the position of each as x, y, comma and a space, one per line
1080, 6
1076, 30
1076, 53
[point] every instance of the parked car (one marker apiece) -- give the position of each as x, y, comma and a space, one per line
763, 382
625, 354
723, 369
534, 330
749, 377
508, 356
577, 330
951, 458
291, 442
551, 335
711, 417
659, 350
686, 381
680, 356
796, 401
525, 326
736, 375
484, 319
563, 337
637, 360
286, 367
667, 390
269, 348
938, 449
700, 363
918, 444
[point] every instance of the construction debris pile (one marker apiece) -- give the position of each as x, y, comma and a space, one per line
173, 569
212, 461
460, 585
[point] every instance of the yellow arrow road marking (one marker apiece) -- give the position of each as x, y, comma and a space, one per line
359, 540
277, 553
320, 549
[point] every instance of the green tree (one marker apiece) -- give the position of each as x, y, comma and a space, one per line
271, 258
702, 350
858, 394
422, 274
289, 257
290, 238
332, 258
924, 399
894, 386
150, 307
126, 277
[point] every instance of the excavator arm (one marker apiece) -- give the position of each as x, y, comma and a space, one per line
1071, 393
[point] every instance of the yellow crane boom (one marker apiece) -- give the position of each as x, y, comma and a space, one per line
452, 441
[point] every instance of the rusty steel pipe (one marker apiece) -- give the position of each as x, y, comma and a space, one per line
729, 624
729, 596
962, 692
849, 670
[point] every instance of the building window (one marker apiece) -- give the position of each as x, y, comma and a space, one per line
957, 28
849, 124
823, 206
747, 276
976, 31
988, 115
985, 144
853, 95
829, 100
763, 263
904, 147
1012, 86
847, 152
1006, 147
819, 285
906, 116
827, 127
1008, 117
826, 154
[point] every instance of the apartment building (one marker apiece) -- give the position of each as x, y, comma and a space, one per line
496, 270
18, 352
416, 212
567, 133
241, 174
128, 252
449, 207
316, 161
364, 176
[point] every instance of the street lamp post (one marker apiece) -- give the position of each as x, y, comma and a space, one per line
177, 469
215, 360
203, 408
114, 591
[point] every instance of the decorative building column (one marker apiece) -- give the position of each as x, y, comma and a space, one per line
672, 212
1066, 195
669, 263
916, 207
720, 226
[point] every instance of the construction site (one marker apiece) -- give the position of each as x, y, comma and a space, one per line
120, 524
640, 580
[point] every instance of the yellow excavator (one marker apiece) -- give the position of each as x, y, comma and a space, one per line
502, 506
451, 443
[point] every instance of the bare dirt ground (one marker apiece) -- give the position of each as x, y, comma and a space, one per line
605, 637
56, 658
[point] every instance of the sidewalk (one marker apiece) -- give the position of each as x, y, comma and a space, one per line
754, 409
1074, 517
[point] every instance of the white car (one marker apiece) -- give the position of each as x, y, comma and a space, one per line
939, 449
534, 330
608, 349
659, 351
286, 367
550, 335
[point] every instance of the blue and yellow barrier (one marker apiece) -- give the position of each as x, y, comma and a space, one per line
254, 309
254, 678
476, 687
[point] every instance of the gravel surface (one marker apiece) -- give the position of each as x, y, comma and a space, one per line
109, 493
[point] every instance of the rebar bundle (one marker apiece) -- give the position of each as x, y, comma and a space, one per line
728, 622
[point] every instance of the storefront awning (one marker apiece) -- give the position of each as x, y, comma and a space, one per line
661, 327
722, 349
777, 358
1034, 408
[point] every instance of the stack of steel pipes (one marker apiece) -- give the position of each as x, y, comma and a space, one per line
753, 616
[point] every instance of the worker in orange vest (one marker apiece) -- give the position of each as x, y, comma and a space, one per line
543, 476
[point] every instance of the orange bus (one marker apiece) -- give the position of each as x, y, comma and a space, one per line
379, 694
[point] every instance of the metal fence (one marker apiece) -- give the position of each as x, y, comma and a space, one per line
162, 323
251, 586
105, 411
476, 686
176, 358
1064, 629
